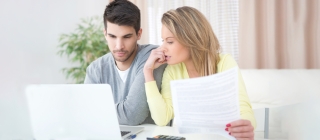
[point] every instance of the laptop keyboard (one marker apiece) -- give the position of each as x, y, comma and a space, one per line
124, 133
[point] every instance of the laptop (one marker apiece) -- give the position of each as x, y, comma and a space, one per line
75, 112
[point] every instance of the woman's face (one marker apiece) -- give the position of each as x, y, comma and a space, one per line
174, 51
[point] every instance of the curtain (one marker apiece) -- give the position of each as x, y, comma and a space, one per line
279, 34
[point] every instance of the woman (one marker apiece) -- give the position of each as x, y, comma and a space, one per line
191, 50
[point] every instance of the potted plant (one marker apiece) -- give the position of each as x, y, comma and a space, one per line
82, 46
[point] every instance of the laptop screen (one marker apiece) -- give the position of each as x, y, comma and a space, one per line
72, 111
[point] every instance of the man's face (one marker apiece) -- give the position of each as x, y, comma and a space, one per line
122, 41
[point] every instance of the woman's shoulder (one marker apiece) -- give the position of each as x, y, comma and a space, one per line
226, 62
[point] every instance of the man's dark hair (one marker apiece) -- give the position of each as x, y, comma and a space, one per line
122, 12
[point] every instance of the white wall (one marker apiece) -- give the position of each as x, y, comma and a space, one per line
29, 31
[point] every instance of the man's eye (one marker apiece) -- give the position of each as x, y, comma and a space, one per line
113, 36
127, 36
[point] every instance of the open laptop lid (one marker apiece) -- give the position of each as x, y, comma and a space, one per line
72, 112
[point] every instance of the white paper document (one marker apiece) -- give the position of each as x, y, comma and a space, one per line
206, 104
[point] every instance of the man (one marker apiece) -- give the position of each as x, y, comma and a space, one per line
122, 67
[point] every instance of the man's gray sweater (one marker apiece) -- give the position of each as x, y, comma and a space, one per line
129, 97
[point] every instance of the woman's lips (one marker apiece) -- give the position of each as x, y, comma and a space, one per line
167, 57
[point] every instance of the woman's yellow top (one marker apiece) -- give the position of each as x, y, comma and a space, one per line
160, 105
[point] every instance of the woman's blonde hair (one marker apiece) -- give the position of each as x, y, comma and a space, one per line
191, 28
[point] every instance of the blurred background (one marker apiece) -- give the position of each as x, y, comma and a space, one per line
259, 34
29, 32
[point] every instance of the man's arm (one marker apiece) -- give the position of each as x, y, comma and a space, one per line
134, 109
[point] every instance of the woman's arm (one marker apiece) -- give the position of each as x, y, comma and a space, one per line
244, 127
160, 105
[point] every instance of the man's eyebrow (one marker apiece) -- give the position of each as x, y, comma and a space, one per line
123, 36
110, 34
128, 34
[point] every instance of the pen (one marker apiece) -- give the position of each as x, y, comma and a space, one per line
131, 136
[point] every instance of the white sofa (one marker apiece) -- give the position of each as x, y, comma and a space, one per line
284, 92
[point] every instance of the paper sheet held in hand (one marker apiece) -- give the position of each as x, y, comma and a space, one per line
206, 104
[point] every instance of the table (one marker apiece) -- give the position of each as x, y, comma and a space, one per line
151, 130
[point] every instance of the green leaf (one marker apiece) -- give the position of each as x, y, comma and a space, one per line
82, 46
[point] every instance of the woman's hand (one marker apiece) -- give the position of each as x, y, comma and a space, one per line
241, 130
156, 59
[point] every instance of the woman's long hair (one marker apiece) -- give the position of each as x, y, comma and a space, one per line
191, 28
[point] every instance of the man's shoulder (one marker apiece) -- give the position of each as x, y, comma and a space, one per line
146, 49
102, 61
97, 69
148, 46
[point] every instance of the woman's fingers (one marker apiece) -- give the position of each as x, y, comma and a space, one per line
245, 138
241, 129
247, 128
240, 123
155, 59
161, 57
158, 55
247, 135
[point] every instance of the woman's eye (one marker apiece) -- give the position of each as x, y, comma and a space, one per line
169, 42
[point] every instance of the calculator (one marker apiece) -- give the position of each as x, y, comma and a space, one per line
166, 137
